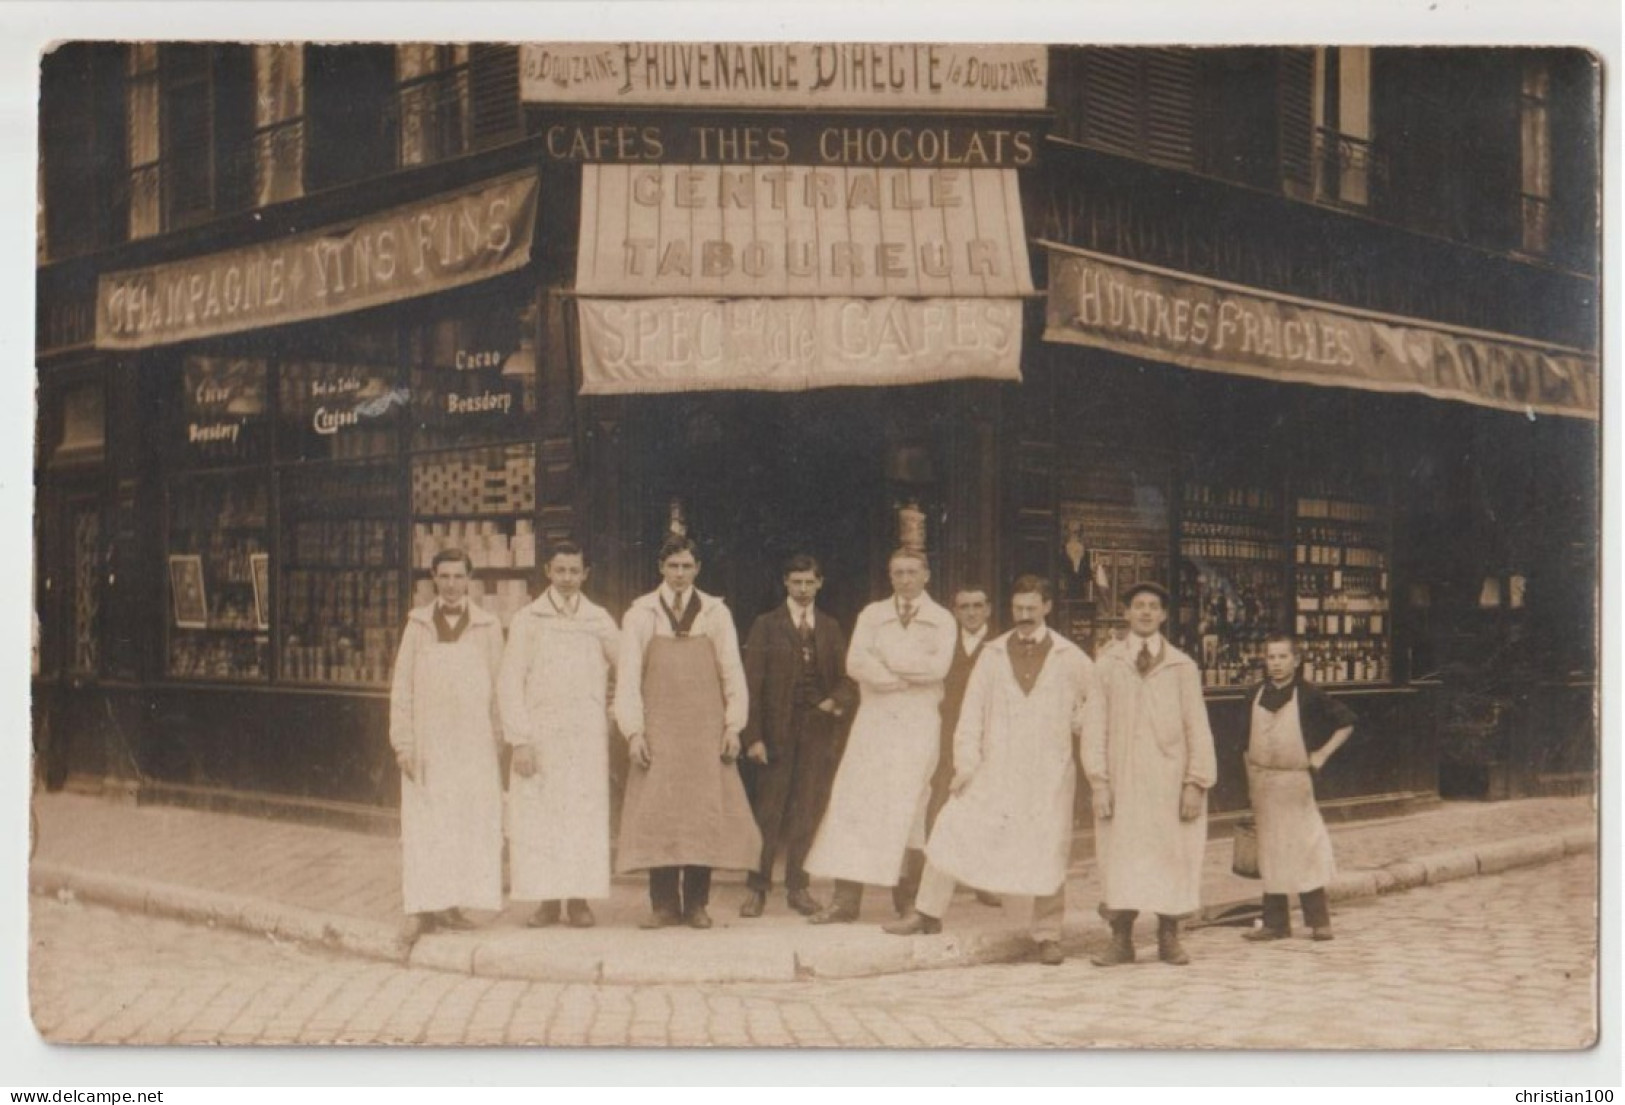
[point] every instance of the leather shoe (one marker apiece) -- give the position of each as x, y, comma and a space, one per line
1259, 935
989, 899
834, 914
580, 916
454, 921
546, 916
915, 924
1050, 953
1324, 932
753, 904
416, 925
698, 918
660, 919
803, 902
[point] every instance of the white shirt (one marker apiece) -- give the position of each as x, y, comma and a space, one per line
565, 606
1136, 643
798, 613
669, 597
968, 640
1037, 638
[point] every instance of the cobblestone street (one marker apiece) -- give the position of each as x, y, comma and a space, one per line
1501, 961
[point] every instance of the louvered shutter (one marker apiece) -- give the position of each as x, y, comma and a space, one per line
493, 77
1111, 98
1170, 106
233, 127
188, 155
1297, 120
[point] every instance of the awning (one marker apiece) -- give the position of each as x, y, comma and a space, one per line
1158, 314
446, 242
790, 277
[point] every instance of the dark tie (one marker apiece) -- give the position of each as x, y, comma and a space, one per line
1143, 662
906, 614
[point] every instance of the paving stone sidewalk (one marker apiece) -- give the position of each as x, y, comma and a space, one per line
342, 889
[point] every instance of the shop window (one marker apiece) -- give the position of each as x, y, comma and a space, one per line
1113, 532
279, 123
1232, 578
339, 395
340, 582
224, 411
1535, 134
484, 502
218, 577
474, 372
1133, 100
1341, 558
86, 608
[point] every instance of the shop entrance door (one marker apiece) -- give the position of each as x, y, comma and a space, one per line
762, 477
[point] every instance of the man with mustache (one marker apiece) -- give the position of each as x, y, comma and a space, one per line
1007, 825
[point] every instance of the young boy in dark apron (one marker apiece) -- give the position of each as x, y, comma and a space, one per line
1294, 849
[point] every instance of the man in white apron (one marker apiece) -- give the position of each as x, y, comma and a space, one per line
1148, 754
901, 649
554, 691
1007, 824
681, 700
444, 730
1294, 849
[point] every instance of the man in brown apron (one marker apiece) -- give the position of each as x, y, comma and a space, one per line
1294, 850
681, 702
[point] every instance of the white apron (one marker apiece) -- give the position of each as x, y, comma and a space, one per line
451, 817
1294, 849
558, 818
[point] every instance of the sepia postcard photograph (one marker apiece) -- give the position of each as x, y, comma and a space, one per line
797, 544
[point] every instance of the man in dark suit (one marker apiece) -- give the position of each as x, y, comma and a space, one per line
800, 702
973, 609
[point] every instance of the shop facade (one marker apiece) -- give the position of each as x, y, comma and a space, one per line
786, 299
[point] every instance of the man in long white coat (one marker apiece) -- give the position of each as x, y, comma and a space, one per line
1148, 754
554, 691
444, 729
900, 652
1007, 825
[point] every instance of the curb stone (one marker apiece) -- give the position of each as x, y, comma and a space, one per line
653, 965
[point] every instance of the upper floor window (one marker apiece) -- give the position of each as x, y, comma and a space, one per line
1342, 113
80, 148
1132, 100
1535, 142
189, 116
279, 123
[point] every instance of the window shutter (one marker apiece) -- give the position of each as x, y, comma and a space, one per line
67, 151
1111, 98
233, 127
1170, 106
1297, 121
184, 122
494, 92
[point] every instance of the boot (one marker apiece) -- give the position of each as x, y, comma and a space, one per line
1121, 949
1169, 949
